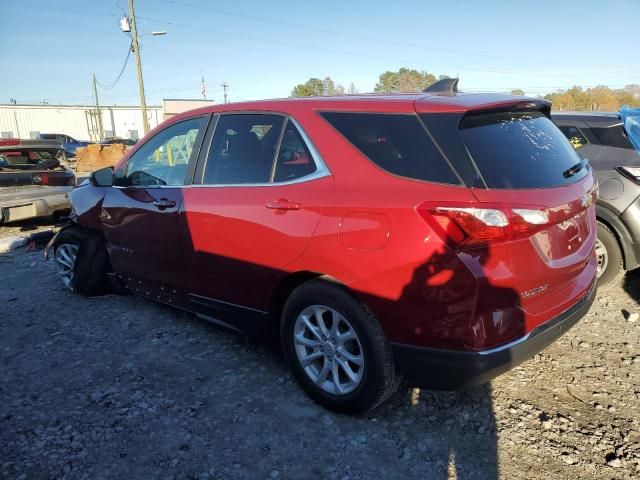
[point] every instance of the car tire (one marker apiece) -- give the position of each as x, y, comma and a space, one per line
357, 341
82, 261
610, 264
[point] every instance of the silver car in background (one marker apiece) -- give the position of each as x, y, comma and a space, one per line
33, 183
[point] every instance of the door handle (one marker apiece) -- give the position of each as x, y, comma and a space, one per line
283, 204
164, 203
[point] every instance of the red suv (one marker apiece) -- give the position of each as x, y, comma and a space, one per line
439, 237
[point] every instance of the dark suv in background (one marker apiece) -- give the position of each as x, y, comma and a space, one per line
601, 138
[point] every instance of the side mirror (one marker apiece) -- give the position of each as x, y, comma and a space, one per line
102, 177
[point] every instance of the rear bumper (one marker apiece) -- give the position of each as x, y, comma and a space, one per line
30, 202
440, 369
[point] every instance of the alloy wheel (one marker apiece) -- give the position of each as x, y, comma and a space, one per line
65, 257
328, 349
603, 258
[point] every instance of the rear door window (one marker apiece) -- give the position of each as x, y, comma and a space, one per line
575, 136
515, 150
294, 158
243, 149
396, 143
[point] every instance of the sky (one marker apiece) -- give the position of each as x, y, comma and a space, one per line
262, 49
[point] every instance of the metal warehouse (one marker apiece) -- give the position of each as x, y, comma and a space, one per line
81, 121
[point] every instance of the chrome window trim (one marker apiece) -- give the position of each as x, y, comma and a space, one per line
317, 158
307, 178
321, 167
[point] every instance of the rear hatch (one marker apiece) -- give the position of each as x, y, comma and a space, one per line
521, 166
21, 166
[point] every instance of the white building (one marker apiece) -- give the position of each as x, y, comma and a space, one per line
77, 121
174, 106
80, 121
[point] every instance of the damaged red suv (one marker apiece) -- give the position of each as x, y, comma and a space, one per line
440, 237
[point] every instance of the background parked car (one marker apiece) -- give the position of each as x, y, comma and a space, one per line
69, 144
123, 141
32, 181
601, 138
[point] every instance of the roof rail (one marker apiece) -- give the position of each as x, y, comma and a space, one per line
446, 85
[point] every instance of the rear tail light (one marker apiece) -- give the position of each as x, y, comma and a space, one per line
53, 180
462, 226
9, 141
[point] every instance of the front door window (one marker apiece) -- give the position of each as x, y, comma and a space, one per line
164, 159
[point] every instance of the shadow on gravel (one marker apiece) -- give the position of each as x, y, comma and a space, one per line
32, 224
137, 390
163, 396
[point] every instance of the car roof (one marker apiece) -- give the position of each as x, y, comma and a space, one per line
593, 118
456, 102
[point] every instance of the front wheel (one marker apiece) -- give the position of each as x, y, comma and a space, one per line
82, 261
336, 348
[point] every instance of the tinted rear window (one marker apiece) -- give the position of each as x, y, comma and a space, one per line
519, 150
397, 143
614, 136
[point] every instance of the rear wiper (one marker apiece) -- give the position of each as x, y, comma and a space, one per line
570, 172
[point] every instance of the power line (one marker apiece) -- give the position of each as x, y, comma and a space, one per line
387, 41
343, 52
115, 82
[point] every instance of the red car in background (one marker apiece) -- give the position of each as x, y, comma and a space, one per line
441, 237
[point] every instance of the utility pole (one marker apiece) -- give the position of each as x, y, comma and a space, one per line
136, 52
225, 85
98, 113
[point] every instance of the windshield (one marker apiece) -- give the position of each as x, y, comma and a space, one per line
631, 119
515, 150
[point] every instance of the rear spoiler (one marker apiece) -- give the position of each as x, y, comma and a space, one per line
537, 105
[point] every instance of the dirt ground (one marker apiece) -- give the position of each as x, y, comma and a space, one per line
119, 387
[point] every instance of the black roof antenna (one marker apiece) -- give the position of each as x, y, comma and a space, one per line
445, 86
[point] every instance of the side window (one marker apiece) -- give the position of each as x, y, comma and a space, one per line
243, 149
575, 136
294, 158
396, 143
164, 159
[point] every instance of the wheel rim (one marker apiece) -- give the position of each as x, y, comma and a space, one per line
65, 257
603, 258
328, 349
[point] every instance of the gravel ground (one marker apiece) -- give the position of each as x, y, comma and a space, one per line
119, 387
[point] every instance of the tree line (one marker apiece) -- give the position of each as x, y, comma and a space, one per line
405, 80
600, 98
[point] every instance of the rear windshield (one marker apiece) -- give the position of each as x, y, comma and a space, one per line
396, 143
613, 136
26, 157
520, 150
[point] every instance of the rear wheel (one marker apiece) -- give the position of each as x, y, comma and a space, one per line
609, 256
336, 348
82, 262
